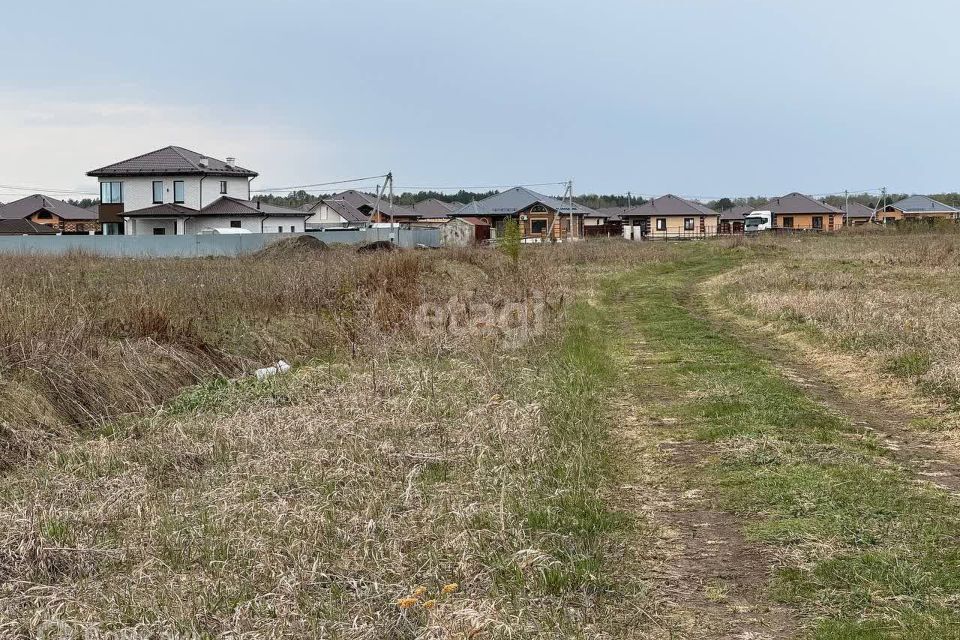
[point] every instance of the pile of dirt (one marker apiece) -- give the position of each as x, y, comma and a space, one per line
295, 246
379, 245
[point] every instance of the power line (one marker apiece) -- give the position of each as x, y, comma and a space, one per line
46, 190
319, 184
488, 186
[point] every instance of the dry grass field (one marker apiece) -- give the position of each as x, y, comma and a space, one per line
890, 298
407, 479
596, 442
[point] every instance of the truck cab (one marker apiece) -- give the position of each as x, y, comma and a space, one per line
757, 221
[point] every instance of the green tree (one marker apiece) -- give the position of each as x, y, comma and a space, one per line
724, 203
510, 243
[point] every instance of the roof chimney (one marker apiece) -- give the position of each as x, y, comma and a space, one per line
204, 162
231, 162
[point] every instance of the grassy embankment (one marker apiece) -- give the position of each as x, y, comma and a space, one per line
863, 549
314, 503
85, 339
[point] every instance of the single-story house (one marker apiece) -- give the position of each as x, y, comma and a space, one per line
335, 211
605, 215
432, 209
917, 208
731, 220
603, 222
669, 216
223, 214
540, 217
857, 214
377, 211
24, 227
60, 216
800, 212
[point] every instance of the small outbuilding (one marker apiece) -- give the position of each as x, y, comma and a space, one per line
464, 231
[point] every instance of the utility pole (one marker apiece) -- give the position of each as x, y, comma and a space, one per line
390, 181
883, 207
629, 200
846, 208
570, 187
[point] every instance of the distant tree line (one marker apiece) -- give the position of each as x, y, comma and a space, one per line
83, 203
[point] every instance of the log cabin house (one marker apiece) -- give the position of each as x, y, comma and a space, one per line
59, 216
541, 218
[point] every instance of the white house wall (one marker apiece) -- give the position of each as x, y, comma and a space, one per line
325, 215
138, 192
194, 226
250, 223
145, 227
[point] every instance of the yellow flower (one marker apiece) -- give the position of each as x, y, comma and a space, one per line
406, 603
420, 591
450, 588
429, 604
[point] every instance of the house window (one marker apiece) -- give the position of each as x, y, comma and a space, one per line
159, 231
538, 227
234, 224
293, 229
788, 222
539, 208
279, 229
818, 222
661, 224
43, 215
111, 192
158, 192
688, 224
179, 196
223, 187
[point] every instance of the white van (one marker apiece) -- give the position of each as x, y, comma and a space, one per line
758, 221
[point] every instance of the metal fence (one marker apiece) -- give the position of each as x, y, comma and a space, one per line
200, 245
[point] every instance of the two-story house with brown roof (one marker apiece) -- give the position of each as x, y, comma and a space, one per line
175, 191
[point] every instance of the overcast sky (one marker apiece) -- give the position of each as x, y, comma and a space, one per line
696, 97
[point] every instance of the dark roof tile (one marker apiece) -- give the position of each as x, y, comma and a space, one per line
22, 226
26, 207
171, 161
